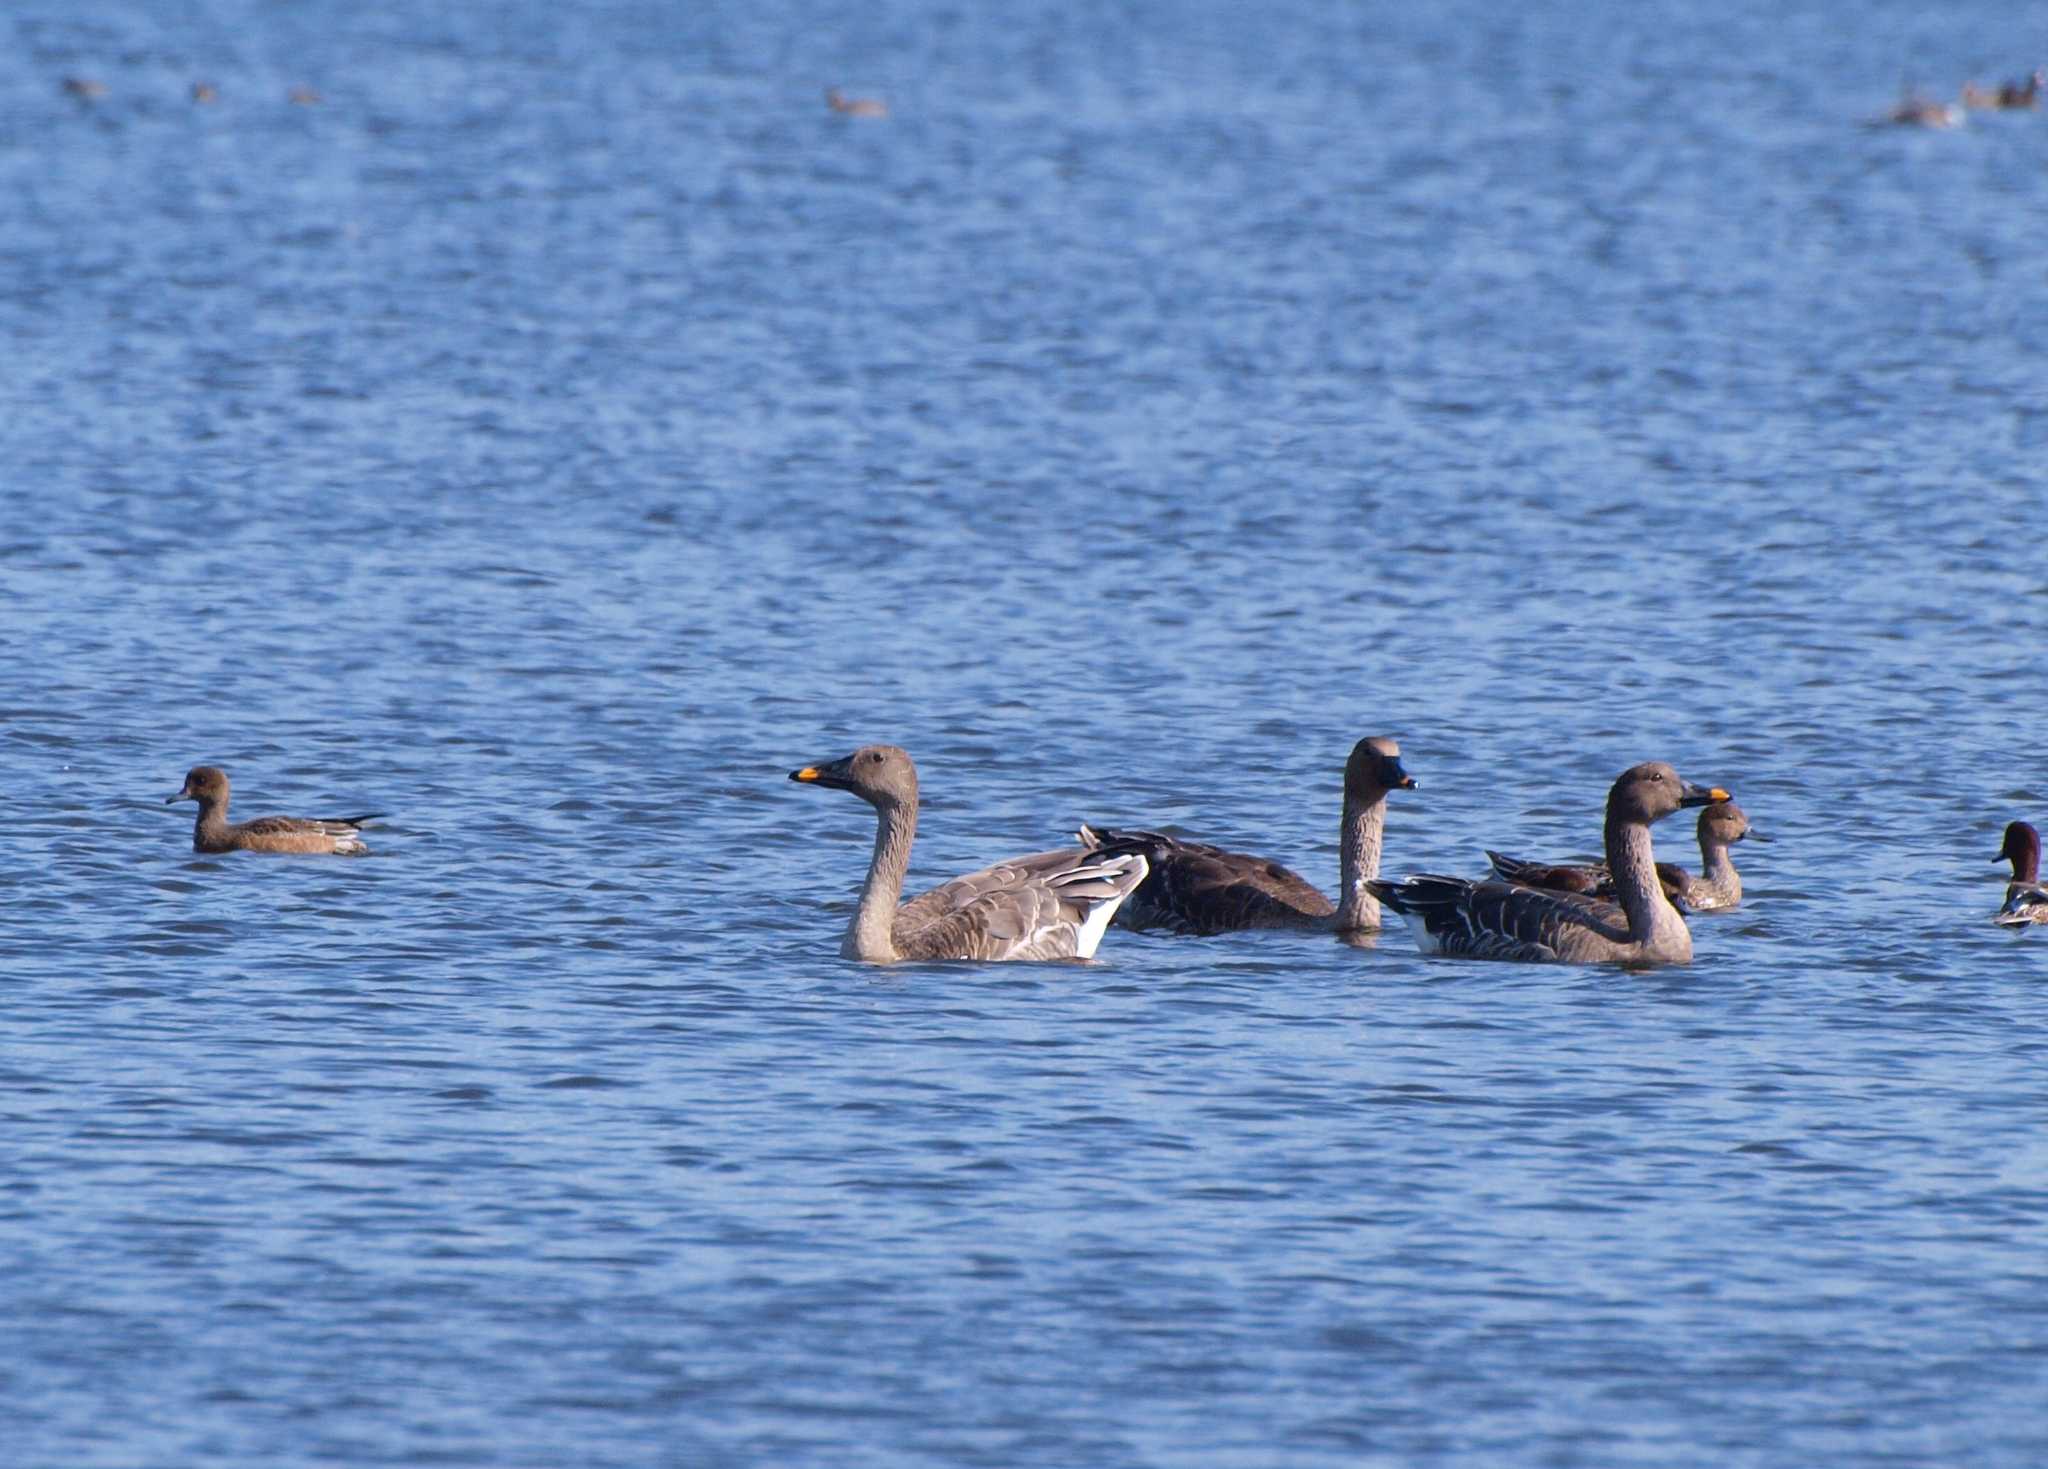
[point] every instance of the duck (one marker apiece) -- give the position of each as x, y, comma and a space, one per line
847, 106
2007, 96
1915, 111
213, 832
1491, 919
1202, 890
2026, 901
1717, 888
1050, 905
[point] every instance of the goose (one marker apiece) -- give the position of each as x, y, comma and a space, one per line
1491, 919
1199, 889
1053, 905
213, 832
1718, 887
2026, 901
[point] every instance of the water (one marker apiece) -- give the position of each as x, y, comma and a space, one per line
568, 426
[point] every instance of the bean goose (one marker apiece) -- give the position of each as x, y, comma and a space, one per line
1052, 905
1199, 889
213, 832
2026, 901
1718, 886
1491, 919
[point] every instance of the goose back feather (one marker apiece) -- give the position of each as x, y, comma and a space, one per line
1495, 919
1198, 889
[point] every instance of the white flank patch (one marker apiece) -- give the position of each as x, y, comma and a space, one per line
1426, 941
1093, 925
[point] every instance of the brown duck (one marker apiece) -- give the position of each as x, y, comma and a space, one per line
213, 832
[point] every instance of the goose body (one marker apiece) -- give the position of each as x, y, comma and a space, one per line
1717, 887
2026, 901
1050, 905
1493, 919
213, 832
1194, 888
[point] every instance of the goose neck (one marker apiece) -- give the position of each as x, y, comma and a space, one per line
1359, 839
1652, 921
871, 934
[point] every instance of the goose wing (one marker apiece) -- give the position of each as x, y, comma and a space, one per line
1562, 877
1195, 888
1590, 878
1050, 905
1498, 920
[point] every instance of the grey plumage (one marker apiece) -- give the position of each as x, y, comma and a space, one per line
1491, 919
1717, 887
1195, 888
1050, 905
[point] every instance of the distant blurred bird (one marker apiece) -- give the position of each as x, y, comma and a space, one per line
1915, 111
303, 96
839, 102
205, 93
2010, 96
85, 89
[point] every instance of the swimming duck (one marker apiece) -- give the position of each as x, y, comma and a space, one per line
847, 106
1915, 111
2008, 96
1491, 919
1052, 905
1718, 886
213, 832
2026, 901
1198, 889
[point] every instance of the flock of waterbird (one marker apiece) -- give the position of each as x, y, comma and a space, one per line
206, 94
1629, 909
1916, 110
1913, 109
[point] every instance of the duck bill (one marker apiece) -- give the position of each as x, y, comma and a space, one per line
183, 795
1403, 781
1695, 795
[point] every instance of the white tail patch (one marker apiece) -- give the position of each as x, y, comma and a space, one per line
1426, 941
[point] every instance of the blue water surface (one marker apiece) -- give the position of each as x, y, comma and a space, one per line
558, 424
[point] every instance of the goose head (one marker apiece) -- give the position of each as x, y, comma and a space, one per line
1653, 790
1723, 824
881, 775
1374, 769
